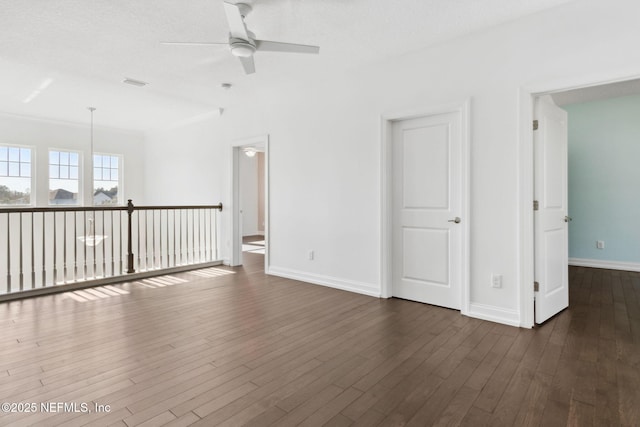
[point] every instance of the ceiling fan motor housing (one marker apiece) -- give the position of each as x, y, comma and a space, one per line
242, 48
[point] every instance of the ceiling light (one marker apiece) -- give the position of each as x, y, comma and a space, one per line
134, 82
249, 151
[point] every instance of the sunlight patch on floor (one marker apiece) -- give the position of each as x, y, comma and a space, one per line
160, 282
92, 294
108, 291
211, 272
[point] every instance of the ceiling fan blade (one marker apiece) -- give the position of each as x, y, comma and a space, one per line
248, 64
193, 43
237, 29
268, 46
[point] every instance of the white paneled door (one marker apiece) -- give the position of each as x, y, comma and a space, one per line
551, 217
427, 215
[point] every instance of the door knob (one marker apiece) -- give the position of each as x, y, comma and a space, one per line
456, 220
567, 218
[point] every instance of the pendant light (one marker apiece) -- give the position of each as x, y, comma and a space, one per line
91, 239
91, 109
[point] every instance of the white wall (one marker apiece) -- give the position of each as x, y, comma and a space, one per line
603, 181
325, 143
45, 134
261, 190
249, 194
187, 165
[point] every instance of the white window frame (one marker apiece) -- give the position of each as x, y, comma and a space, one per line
32, 177
120, 157
80, 195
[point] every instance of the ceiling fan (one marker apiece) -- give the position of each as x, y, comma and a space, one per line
243, 43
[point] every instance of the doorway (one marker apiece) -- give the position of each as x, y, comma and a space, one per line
425, 216
250, 202
581, 96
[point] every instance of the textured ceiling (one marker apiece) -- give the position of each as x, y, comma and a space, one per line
69, 54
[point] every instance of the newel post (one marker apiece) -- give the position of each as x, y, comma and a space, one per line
130, 209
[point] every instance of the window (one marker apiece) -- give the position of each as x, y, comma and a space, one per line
15, 175
106, 179
64, 177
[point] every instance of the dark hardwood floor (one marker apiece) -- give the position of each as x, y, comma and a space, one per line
231, 347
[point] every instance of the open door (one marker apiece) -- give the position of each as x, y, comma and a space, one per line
551, 237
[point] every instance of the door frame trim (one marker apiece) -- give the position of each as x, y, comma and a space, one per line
526, 254
386, 199
236, 239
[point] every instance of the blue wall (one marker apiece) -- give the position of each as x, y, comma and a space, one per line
604, 179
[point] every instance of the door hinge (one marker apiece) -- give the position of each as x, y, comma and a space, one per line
536, 286
535, 125
536, 205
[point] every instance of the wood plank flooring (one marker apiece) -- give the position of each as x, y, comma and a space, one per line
231, 346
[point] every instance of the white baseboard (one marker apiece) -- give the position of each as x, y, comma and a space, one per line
331, 282
476, 310
609, 265
494, 314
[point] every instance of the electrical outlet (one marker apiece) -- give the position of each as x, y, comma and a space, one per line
496, 280
600, 244
311, 255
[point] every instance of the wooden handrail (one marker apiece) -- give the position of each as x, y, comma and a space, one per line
63, 209
103, 208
